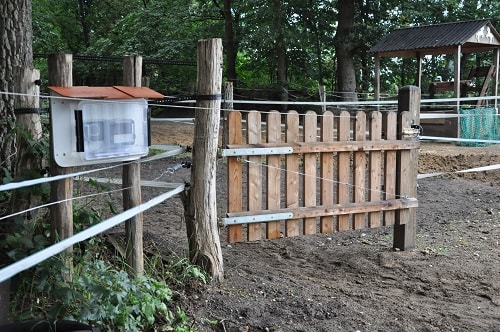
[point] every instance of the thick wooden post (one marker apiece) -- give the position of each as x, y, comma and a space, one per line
131, 179
228, 107
61, 74
29, 126
322, 96
200, 200
407, 167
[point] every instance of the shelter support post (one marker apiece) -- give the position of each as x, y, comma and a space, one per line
407, 166
377, 77
418, 79
457, 56
496, 59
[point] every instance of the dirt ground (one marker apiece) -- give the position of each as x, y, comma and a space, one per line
354, 281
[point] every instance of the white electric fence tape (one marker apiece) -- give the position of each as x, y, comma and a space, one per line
477, 169
30, 261
27, 183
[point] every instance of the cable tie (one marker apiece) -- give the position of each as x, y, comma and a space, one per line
27, 110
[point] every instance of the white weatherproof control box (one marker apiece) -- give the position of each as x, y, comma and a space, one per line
86, 132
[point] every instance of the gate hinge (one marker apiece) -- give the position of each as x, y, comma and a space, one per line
412, 132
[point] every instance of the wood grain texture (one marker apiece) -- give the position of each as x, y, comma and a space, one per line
254, 193
235, 176
343, 168
131, 179
375, 168
359, 175
310, 174
390, 129
60, 68
292, 173
200, 201
273, 178
327, 172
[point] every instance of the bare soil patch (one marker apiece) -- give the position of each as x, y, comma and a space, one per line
353, 281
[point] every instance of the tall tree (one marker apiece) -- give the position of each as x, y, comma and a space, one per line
280, 47
231, 19
15, 50
231, 47
344, 46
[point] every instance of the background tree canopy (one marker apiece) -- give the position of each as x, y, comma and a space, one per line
270, 46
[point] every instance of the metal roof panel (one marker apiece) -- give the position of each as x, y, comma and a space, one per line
140, 92
433, 38
106, 92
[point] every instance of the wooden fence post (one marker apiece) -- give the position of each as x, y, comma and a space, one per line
199, 201
407, 167
228, 107
28, 123
322, 96
131, 179
61, 74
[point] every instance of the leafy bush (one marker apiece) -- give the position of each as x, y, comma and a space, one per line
101, 296
113, 301
100, 293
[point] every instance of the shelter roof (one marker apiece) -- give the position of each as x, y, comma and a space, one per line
473, 36
106, 92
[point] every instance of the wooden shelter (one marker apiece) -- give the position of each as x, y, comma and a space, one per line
449, 38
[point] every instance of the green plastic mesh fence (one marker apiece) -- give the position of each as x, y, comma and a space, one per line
478, 123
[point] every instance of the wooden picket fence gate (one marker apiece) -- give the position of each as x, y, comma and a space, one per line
319, 173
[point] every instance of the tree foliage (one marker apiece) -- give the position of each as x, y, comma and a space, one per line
269, 44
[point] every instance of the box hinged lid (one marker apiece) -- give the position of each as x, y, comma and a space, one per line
106, 92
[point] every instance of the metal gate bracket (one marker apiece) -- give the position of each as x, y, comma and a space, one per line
256, 151
256, 218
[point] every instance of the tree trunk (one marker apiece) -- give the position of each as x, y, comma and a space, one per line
344, 51
15, 50
200, 201
280, 48
230, 45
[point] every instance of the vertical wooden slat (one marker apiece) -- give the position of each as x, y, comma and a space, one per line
254, 174
359, 219
375, 167
390, 129
403, 171
343, 167
292, 173
310, 132
234, 176
326, 184
273, 174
